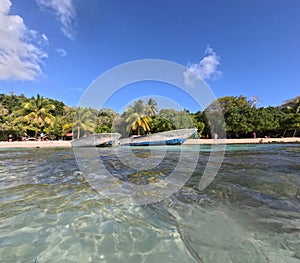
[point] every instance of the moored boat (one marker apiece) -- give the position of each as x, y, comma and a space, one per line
173, 137
98, 139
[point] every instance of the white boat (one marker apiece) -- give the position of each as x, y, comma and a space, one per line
161, 138
98, 139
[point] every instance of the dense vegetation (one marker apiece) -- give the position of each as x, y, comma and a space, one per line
22, 117
243, 118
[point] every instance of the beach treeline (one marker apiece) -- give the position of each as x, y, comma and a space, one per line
23, 118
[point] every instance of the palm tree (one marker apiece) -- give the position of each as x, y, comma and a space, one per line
67, 119
151, 107
137, 117
292, 107
84, 122
138, 122
37, 113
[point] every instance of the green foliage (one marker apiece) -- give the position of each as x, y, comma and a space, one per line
140, 118
84, 123
242, 118
151, 107
267, 119
137, 116
292, 105
199, 125
105, 120
201, 119
161, 124
22, 116
36, 113
179, 119
292, 121
12, 102
239, 120
5, 125
67, 120
59, 107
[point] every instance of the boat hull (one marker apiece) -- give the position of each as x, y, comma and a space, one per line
174, 137
97, 140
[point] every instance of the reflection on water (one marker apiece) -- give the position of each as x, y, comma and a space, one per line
250, 213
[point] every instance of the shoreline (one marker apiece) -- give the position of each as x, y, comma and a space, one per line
243, 141
36, 144
67, 144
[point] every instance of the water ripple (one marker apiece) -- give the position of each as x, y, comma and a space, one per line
250, 213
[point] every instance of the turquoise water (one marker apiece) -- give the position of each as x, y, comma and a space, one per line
249, 213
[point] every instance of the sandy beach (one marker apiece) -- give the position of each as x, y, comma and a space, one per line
67, 144
36, 144
244, 141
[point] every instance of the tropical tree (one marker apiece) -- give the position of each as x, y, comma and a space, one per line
56, 130
238, 113
199, 125
3, 112
137, 117
201, 118
137, 122
151, 107
84, 121
12, 102
292, 105
106, 119
3, 118
291, 123
20, 115
292, 108
66, 120
239, 120
161, 124
59, 109
37, 114
179, 119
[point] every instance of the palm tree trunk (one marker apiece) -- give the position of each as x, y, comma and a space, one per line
294, 132
78, 132
284, 133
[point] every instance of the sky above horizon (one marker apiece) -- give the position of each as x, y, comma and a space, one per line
57, 48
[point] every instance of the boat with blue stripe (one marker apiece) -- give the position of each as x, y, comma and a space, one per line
173, 137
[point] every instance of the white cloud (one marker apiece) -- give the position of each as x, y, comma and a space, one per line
45, 37
20, 56
207, 68
64, 11
61, 52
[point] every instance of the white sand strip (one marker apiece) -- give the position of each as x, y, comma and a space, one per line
67, 144
244, 141
36, 144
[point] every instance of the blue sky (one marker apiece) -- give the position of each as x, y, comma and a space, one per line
58, 47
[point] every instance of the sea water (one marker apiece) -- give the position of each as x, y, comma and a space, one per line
49, 212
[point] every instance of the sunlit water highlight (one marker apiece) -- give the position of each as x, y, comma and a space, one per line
250, 213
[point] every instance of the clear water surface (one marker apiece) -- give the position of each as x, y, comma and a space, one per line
250, 213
